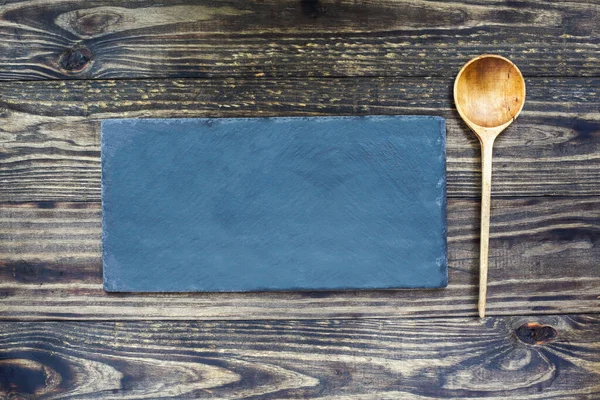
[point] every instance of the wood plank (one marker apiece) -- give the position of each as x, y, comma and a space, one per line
544, 256
283, 38
49, 138
552, 357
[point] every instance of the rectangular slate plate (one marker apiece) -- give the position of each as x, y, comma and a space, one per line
252, 204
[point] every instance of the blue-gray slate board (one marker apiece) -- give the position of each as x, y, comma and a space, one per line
253, 204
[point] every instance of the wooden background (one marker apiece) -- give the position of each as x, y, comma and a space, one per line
67, 65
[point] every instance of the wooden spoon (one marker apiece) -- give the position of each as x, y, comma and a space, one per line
489, 93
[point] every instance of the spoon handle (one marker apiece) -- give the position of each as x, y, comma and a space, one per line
486, 189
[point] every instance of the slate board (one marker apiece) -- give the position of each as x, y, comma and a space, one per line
253, 204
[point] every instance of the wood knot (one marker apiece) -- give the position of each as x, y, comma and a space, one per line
312, 8
76, 59
536, 334
22, 378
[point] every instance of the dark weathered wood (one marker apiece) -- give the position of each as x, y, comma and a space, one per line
49, 136
184, 38
553, 357
544, 250
544, 256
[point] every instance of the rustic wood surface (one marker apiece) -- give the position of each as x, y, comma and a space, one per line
551, 357
281, 38
51, 134
67, 65
544, 256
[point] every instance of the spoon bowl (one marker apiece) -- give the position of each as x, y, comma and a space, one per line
489, 93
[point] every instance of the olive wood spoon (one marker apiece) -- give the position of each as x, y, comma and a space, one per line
489, 93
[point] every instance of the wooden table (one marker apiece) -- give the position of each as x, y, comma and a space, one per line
67, 65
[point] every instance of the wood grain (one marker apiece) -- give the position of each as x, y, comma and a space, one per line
274, 38
553, 357
544, 256
49, 136
61, 67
